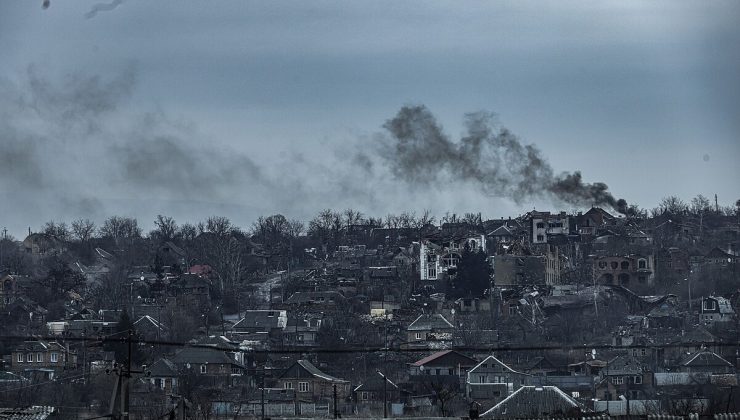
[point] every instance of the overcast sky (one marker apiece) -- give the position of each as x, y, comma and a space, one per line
242, 108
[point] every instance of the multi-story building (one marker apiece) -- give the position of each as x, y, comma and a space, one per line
545, 224
440, 254
631, 271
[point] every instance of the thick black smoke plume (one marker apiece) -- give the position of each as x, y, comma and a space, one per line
492, 157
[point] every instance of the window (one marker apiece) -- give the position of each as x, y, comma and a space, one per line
642, 264
618, 380
288, 385
365, 395
625, 265
39, 357
203, 368
438, 372
419, 336
29, 357
643, 352
540, 225
576, 394
20, 357
709, 305
54, 357
602, 264
450, 371
638, 379
540, 238
432, 273
641, 279
481, 379
159, 383
614, 265
512, 310
302, 386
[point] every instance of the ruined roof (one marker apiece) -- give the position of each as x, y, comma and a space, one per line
202, 355
262, 319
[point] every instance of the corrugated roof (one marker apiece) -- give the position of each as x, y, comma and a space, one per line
535, 402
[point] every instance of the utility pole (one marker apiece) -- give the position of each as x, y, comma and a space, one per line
336, 412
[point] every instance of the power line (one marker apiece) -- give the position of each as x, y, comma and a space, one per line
42, 383
372, 349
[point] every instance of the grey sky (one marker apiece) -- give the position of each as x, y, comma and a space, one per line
644, 96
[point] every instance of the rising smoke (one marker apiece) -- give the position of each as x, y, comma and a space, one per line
102, 7
492, 158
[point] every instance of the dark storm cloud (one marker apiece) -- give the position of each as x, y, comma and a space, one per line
492, 158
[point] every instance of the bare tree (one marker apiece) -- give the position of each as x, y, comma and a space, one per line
57, 230
119, 227
352, 217
165, 229
83, 229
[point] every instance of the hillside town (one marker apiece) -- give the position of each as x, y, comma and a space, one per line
597, 313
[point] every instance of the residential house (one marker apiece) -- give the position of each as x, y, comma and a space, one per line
149, 328
545, 224
445, 368
630, 271
707, 362
163, 374
536, 402
490, 381
43, 244
429, 330
716, 309
302, 331
262, 324
627, 376
588, 224
369, 394
47, 359
439, 254
311, 384
213, 366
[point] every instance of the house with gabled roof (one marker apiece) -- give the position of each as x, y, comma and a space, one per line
530, 402
705, 361
44, 359
491, 380
149, 328
311, 384
370, 392
428, 330
447, 367
163, 374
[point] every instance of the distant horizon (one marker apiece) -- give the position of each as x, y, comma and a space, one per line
148, 224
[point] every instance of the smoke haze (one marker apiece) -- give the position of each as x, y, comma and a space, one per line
491, 157
74, 141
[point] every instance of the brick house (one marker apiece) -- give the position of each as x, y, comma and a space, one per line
311, 384
47, 359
